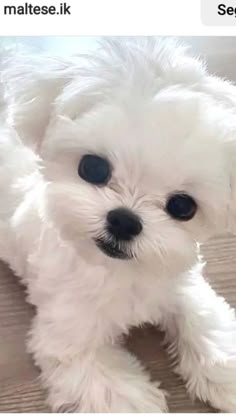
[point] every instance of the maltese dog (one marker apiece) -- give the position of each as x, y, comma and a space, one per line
115, 166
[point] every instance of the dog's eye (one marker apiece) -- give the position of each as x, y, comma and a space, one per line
94, 169
181, 207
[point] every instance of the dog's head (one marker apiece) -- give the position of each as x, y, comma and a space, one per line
139, 154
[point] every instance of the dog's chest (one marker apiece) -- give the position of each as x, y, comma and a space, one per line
88, 301
112, 298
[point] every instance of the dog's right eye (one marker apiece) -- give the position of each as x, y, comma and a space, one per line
94, 169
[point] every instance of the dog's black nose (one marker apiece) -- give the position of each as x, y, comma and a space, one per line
123, 224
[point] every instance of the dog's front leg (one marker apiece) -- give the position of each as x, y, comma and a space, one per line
90, 378
202, 333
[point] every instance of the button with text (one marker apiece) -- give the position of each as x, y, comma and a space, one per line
218, 12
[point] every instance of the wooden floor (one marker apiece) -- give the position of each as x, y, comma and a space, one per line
19, 387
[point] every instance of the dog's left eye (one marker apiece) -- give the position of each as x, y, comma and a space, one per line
181, 206
94, 169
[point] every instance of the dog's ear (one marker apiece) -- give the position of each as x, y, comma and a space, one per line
224, 92
232, 204
31, 82
39, 88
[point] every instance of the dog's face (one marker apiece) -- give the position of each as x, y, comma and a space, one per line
137, 178
138, 145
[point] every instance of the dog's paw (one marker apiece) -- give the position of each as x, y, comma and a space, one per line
223, 398
216, 385
126, 398
139, 397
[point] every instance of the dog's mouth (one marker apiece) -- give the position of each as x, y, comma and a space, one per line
112, 249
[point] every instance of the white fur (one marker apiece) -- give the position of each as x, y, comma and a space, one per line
166, 126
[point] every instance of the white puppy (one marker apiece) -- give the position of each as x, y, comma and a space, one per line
114, 167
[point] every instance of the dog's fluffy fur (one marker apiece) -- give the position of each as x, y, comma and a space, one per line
165, 125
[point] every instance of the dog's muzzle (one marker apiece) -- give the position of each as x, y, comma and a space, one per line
122, 226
